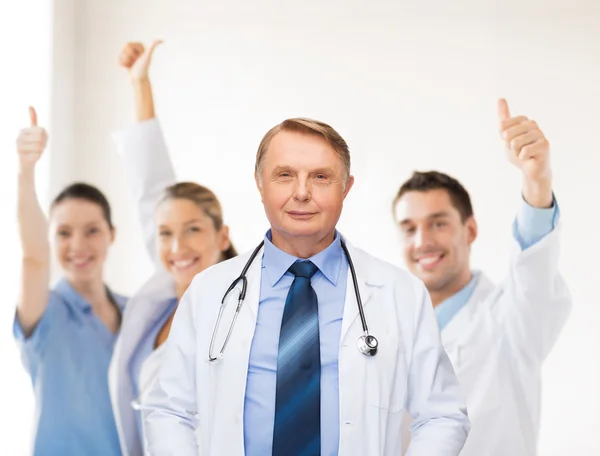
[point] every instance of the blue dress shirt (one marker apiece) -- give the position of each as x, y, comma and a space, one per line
531, 225
329, 283
67, 357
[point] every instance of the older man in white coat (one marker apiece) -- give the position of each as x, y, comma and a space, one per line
496, 336
295, 377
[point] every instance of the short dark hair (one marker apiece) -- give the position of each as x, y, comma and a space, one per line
86, 192
422, 181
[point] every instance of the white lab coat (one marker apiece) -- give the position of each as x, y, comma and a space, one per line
149, 171
497, 344
410, 372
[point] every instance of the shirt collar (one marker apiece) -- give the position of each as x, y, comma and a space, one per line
276, 262
449, 307
77, 301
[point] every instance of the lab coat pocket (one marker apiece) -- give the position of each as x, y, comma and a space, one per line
479, 377
386, 376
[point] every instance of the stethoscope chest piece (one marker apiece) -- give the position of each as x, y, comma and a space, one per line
368, 345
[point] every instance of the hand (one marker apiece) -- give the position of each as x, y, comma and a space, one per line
137, 59
529, 150
31, 142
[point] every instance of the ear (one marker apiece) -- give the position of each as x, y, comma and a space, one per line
224, 242
471, 225
349, 184
113, 233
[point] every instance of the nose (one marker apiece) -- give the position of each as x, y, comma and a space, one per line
77, 242
176, 244
422, 238
302, 191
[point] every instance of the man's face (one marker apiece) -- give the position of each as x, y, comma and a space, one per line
302, 186
436, 241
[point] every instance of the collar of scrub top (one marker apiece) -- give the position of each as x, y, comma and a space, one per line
449, 307
64, 288
276, 262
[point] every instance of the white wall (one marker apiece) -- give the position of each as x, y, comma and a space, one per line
408, 87
25, 49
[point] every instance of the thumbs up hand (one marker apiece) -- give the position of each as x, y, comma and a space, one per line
137, 59
31, 142
529, 150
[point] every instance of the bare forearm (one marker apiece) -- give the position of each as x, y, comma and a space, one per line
144, 99
33, 226
538, 193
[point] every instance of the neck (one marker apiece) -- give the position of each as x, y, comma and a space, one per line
93, 291
180, 290
301, 246
439, 296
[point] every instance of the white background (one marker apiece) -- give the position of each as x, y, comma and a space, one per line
409, 87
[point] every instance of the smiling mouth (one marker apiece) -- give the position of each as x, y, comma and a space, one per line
429, 262
184, 265
301, 214
80, 263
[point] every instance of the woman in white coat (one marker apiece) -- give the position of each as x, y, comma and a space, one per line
184, 234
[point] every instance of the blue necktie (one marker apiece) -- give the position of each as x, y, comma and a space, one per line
297, 430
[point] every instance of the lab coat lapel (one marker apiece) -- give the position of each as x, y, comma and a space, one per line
238, 351
454, 331
363, 278
141, 312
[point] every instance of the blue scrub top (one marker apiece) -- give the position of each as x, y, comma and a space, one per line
67, 357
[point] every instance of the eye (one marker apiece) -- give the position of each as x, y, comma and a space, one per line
408, 231
92, 231
195, 229
164, 233
439, 224
62, 233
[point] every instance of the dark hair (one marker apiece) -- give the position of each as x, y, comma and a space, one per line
434, 180
86, 192
206, 200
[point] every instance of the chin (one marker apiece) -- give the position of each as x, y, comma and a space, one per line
301, 229
81, 276
184, 278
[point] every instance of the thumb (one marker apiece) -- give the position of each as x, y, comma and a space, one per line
152, 47
33, 116
503, 111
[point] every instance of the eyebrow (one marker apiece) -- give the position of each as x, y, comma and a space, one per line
87, 225
189, 222
326, 170
435, 215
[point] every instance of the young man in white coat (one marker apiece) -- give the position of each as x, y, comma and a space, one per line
496, 336
292, 379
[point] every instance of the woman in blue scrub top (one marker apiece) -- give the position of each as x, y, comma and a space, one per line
185, 234
66, 334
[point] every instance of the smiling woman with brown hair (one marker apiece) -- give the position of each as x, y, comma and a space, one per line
184, 233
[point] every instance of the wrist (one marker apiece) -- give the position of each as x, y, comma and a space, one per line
538, 193
139, 80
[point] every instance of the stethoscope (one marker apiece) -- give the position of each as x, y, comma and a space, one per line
367, 344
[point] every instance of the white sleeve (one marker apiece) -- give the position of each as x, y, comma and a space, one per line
148, 171
440, 423
170, 414
534, 301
